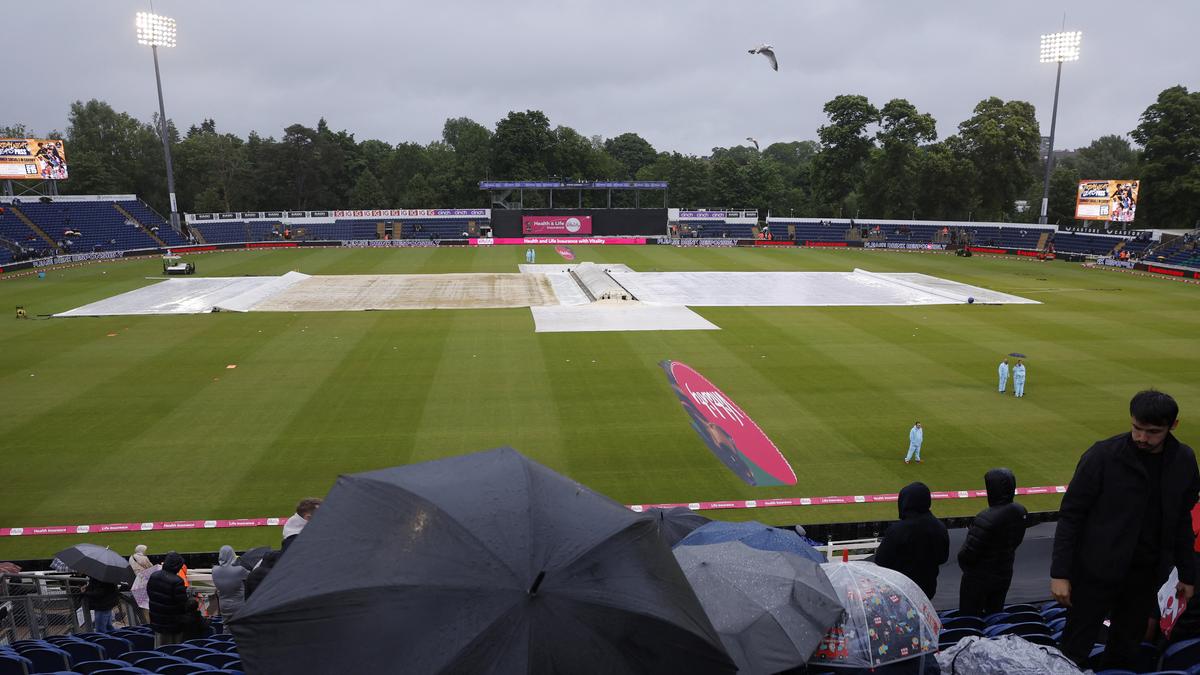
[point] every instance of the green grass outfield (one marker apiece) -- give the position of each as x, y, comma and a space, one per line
150, 425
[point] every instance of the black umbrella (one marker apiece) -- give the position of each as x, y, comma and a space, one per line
676, 523
481, 563
98, 562
250, 558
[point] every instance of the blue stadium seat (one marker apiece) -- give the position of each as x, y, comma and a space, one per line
963, 622
11, 664
184, 669
1025, 628
138, 639
158, 662
1021, 607
1041, 639
191, 653
1115, 672
998, 617
1182, 655
218, 660
88, 667
132, 670
955, 634
1022, 617
82, 651
135, 656
114, 646
47, 659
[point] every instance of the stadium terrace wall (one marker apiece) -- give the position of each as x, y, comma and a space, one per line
605, 222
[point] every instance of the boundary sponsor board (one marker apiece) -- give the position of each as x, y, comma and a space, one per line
223, 523
486, 241
727, 430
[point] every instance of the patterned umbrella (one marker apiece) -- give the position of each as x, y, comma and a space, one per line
888, 618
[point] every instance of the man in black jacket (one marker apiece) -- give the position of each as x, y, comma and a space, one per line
986, 556
1123, 524
102, 598
168, 601
918, 544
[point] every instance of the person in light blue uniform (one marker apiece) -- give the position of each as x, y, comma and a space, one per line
916, 436
1019, 379
1003, 375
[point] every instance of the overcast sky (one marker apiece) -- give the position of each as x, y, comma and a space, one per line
675, 71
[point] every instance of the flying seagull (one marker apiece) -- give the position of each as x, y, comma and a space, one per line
755, 142
769, 52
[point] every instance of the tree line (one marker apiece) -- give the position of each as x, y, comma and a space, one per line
867, 161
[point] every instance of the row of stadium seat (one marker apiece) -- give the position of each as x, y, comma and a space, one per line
127, 650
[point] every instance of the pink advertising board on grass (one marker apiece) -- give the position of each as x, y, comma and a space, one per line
727, 430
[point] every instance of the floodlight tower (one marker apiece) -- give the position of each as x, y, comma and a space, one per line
1056, 48
157, 31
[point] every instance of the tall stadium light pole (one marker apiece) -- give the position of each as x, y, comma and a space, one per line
157, 31
1056, 48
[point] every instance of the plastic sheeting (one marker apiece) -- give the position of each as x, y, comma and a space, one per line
1004, 655
617, 316
191, 296
803, 289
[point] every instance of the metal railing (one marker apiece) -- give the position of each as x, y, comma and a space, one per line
38, 605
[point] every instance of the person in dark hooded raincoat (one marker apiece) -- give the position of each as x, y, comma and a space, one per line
168, 601
987, 554
918, 544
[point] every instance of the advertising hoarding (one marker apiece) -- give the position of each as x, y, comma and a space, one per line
32, 159
1111, 200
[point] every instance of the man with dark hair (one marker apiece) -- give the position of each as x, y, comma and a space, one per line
1123, 524
304, 512
987, 554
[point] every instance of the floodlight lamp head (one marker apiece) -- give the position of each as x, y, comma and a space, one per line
155, 30
1060, 47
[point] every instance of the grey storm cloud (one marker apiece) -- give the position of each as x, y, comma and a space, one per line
677, 72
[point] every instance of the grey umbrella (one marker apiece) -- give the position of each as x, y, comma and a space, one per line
481, 563
676, 523
98, 562
771, 608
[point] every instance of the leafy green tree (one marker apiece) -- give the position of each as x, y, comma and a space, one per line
1169, 133
1002, 140
631, 152
845, 148
890, 184
368, 192
214, 165
947, 181
522, 146
1108, 157
687, 176
471, 143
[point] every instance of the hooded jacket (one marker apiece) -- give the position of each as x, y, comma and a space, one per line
228, 577
168, 596
997, 531
918, 544
1103, 510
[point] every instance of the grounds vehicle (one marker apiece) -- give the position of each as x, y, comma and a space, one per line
173, 264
